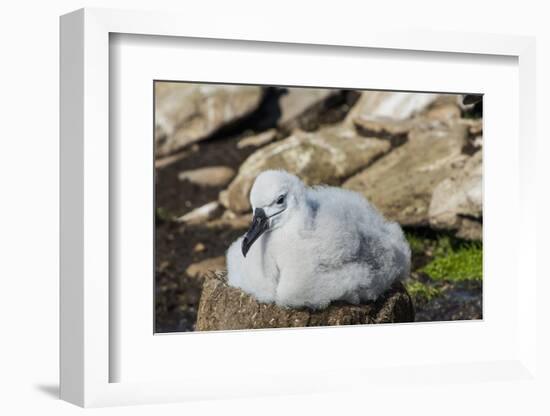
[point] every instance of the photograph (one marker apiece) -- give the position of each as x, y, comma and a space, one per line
293, 207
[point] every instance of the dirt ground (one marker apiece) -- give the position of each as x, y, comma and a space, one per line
177, 294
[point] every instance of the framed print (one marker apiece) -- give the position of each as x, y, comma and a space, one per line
270, 213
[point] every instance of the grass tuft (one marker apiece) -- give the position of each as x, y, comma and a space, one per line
422, 291
456, 264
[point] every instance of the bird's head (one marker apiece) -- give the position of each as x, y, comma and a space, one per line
275, 195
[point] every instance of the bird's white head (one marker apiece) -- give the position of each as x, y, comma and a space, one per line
274, 197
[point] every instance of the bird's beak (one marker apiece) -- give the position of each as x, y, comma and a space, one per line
259, 225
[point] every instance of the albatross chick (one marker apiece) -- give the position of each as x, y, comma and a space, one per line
309, 246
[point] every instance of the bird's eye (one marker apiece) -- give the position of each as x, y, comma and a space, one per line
281, 200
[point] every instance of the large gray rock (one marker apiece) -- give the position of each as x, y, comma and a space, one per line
401, 183
327, 156
187, 113
223, 307
458, 200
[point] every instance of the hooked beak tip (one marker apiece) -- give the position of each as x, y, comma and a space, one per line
257, 228
245, 247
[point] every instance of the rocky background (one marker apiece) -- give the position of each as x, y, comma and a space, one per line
417, 157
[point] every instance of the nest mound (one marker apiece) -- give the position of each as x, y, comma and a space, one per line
223, 307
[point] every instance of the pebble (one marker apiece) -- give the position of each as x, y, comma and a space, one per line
199, 248
212, 176
201, 214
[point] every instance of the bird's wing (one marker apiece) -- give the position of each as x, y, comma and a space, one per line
346, 228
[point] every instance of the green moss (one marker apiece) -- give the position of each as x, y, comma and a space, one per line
456, 264
422, 291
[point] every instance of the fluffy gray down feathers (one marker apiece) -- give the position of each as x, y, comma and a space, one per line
323, 244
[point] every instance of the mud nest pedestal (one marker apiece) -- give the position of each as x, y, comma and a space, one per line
223, 307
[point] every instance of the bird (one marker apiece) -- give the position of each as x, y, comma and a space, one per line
309, 246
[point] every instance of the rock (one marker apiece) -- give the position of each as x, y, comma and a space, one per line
187, 113
223, 307
223, 197
199, 248
475, 139
300, 104
401, 183
443, 110
470, 229
212, 176
231, 220
176, 157
458, 200
163, 266
258, 139
476, 128
475, 125
384, 114
477, 142
202, 268
459, 301
327, 156
382, 127
389, 105
201, 214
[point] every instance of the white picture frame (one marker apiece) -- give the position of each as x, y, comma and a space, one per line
87, 330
